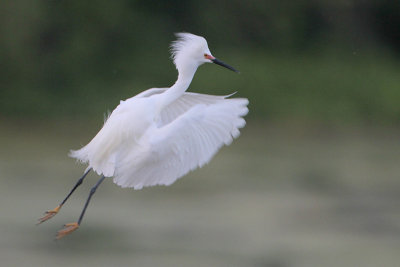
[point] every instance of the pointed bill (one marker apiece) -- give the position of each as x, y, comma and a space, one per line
223, 64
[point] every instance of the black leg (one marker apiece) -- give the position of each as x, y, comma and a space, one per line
78, 183
70, 227
51, 213
92, 191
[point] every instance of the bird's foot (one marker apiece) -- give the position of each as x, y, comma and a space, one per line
68, 228
49, 214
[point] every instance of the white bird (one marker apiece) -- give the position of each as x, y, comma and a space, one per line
161, 134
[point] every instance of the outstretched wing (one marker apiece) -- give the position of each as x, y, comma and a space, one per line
191, 131
182, 104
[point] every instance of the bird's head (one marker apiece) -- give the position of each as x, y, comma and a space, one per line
190, 50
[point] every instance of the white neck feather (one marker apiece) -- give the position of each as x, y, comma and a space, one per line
181, 85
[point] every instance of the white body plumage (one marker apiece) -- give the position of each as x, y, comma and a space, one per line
161, 134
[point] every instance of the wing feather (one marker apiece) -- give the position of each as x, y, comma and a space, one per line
186, 135
184, 103
186, 140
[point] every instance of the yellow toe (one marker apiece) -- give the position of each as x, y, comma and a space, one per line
49, 214
68, 228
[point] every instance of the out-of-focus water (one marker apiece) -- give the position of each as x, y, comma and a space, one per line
279, 196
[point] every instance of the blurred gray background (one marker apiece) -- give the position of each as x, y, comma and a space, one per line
312, 181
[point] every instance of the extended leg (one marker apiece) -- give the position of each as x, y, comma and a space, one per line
70, 227
51, 213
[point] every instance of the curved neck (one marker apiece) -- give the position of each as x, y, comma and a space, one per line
181, 85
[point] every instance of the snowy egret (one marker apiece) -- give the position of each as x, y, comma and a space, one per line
161, 134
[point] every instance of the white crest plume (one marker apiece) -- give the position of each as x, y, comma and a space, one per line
185, 45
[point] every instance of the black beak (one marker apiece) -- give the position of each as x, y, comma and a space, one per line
223, 64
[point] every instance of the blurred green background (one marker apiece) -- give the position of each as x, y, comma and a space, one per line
312, 181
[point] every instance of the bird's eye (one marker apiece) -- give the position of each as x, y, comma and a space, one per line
205, 55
